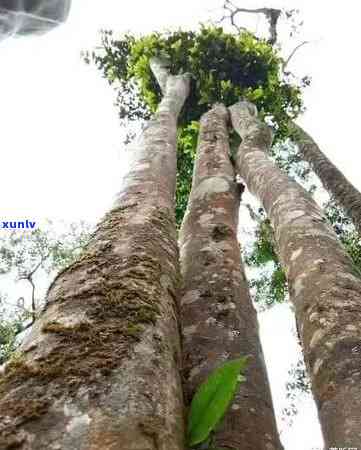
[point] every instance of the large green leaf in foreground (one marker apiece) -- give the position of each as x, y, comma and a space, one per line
213, 398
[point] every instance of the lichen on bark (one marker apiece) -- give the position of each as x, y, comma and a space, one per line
217, 316
322, 284
333, 180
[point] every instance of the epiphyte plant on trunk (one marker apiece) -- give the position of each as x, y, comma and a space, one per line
223, 66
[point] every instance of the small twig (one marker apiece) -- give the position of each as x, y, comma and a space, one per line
254, 216
33, 304
293, 53
29, 278
32, 272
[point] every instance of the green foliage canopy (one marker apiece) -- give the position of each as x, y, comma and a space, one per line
224, 68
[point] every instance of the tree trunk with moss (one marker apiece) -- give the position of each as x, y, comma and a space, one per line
100, 367
346, 195
218, 319
324, 286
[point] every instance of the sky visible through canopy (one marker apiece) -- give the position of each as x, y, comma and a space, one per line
61, 146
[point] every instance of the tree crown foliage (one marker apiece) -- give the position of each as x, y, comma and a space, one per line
224, 68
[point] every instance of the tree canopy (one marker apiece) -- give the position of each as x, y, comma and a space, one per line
224, 67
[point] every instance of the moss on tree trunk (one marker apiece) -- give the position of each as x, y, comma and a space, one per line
100, 367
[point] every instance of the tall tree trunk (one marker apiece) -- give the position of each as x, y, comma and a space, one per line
347, 196
100, 367
217, 315
323, 284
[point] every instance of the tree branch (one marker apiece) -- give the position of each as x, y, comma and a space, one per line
29, 278
160, 69
272, 15
292, 54
25, 327
33, 304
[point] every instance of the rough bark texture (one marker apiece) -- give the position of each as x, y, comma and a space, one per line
324, 286
218, 319
332, 179
100, 368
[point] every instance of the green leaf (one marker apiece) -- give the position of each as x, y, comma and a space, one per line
177, 45
212, 399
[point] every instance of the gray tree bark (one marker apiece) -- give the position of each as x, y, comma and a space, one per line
347, 196
324, 287
217, 316
100, 367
